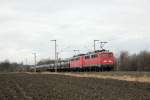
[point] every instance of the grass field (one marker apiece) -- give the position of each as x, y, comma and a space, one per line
21, 86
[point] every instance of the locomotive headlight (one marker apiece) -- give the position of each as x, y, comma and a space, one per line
110, 61
105, 61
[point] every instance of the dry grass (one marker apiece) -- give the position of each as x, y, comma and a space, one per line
125, 76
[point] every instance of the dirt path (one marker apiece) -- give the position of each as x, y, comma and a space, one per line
143, 78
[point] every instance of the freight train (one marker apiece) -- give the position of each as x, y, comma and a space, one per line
99, 60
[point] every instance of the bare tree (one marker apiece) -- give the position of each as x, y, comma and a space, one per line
135, 62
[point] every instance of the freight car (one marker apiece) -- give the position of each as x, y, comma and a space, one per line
100, 60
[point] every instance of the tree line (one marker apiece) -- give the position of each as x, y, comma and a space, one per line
133, 62
7, 66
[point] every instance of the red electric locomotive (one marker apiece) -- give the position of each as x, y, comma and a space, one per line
99, 60
77, 62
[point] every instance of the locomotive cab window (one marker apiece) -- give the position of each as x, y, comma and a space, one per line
106, 55
77, 58
73, 59
87, 57
110, 54
94, 56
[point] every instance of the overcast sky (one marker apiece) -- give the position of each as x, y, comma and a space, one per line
27, 26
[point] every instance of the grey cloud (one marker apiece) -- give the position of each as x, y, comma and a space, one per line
28, 26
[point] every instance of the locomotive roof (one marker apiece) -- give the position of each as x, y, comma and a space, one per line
103, 51
98, 51
78, 55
